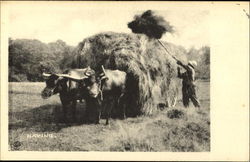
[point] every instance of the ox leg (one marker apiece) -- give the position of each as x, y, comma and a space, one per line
87, 111
98, 109
105, 109
123, 111
74, 109
64, 106
109, 109
121, 103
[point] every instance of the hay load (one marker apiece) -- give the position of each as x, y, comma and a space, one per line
150, 71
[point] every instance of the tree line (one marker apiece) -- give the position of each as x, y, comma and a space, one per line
28, 58
202, 56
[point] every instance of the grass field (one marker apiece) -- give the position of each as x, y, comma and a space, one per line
35, 125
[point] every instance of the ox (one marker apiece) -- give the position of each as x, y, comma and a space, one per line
105, 91
69, 86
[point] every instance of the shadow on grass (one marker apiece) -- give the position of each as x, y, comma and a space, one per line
24, 92
46, 118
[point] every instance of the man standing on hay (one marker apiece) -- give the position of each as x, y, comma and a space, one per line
188, 86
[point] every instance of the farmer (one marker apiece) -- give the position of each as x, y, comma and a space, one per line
188, 86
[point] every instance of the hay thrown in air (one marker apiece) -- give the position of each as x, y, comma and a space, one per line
152, 25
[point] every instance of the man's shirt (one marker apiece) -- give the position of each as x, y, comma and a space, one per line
187, 77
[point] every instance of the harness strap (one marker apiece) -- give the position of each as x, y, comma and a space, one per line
101, 95
100, 89
53, 89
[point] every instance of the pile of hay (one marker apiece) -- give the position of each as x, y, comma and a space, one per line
150, 70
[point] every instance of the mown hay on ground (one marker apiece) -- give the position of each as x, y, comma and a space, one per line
149, 69
175, 113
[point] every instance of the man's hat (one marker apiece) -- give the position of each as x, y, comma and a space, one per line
192, 63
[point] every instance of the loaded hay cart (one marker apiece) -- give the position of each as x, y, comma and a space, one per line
151, 73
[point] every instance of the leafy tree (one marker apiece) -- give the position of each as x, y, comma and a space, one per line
29, 58
202, 56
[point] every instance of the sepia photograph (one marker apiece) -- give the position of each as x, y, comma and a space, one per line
87, 77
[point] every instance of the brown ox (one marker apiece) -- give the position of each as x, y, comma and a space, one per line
69, 86
105, 91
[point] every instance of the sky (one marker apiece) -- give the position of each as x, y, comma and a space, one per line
72, 22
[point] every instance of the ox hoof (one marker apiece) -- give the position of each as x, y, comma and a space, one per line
124, 117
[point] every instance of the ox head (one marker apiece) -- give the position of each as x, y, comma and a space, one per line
93, 84
57, 83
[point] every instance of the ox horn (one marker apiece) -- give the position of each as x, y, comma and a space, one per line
103, 70
46, 75
87, 73
104, 76
71, 77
